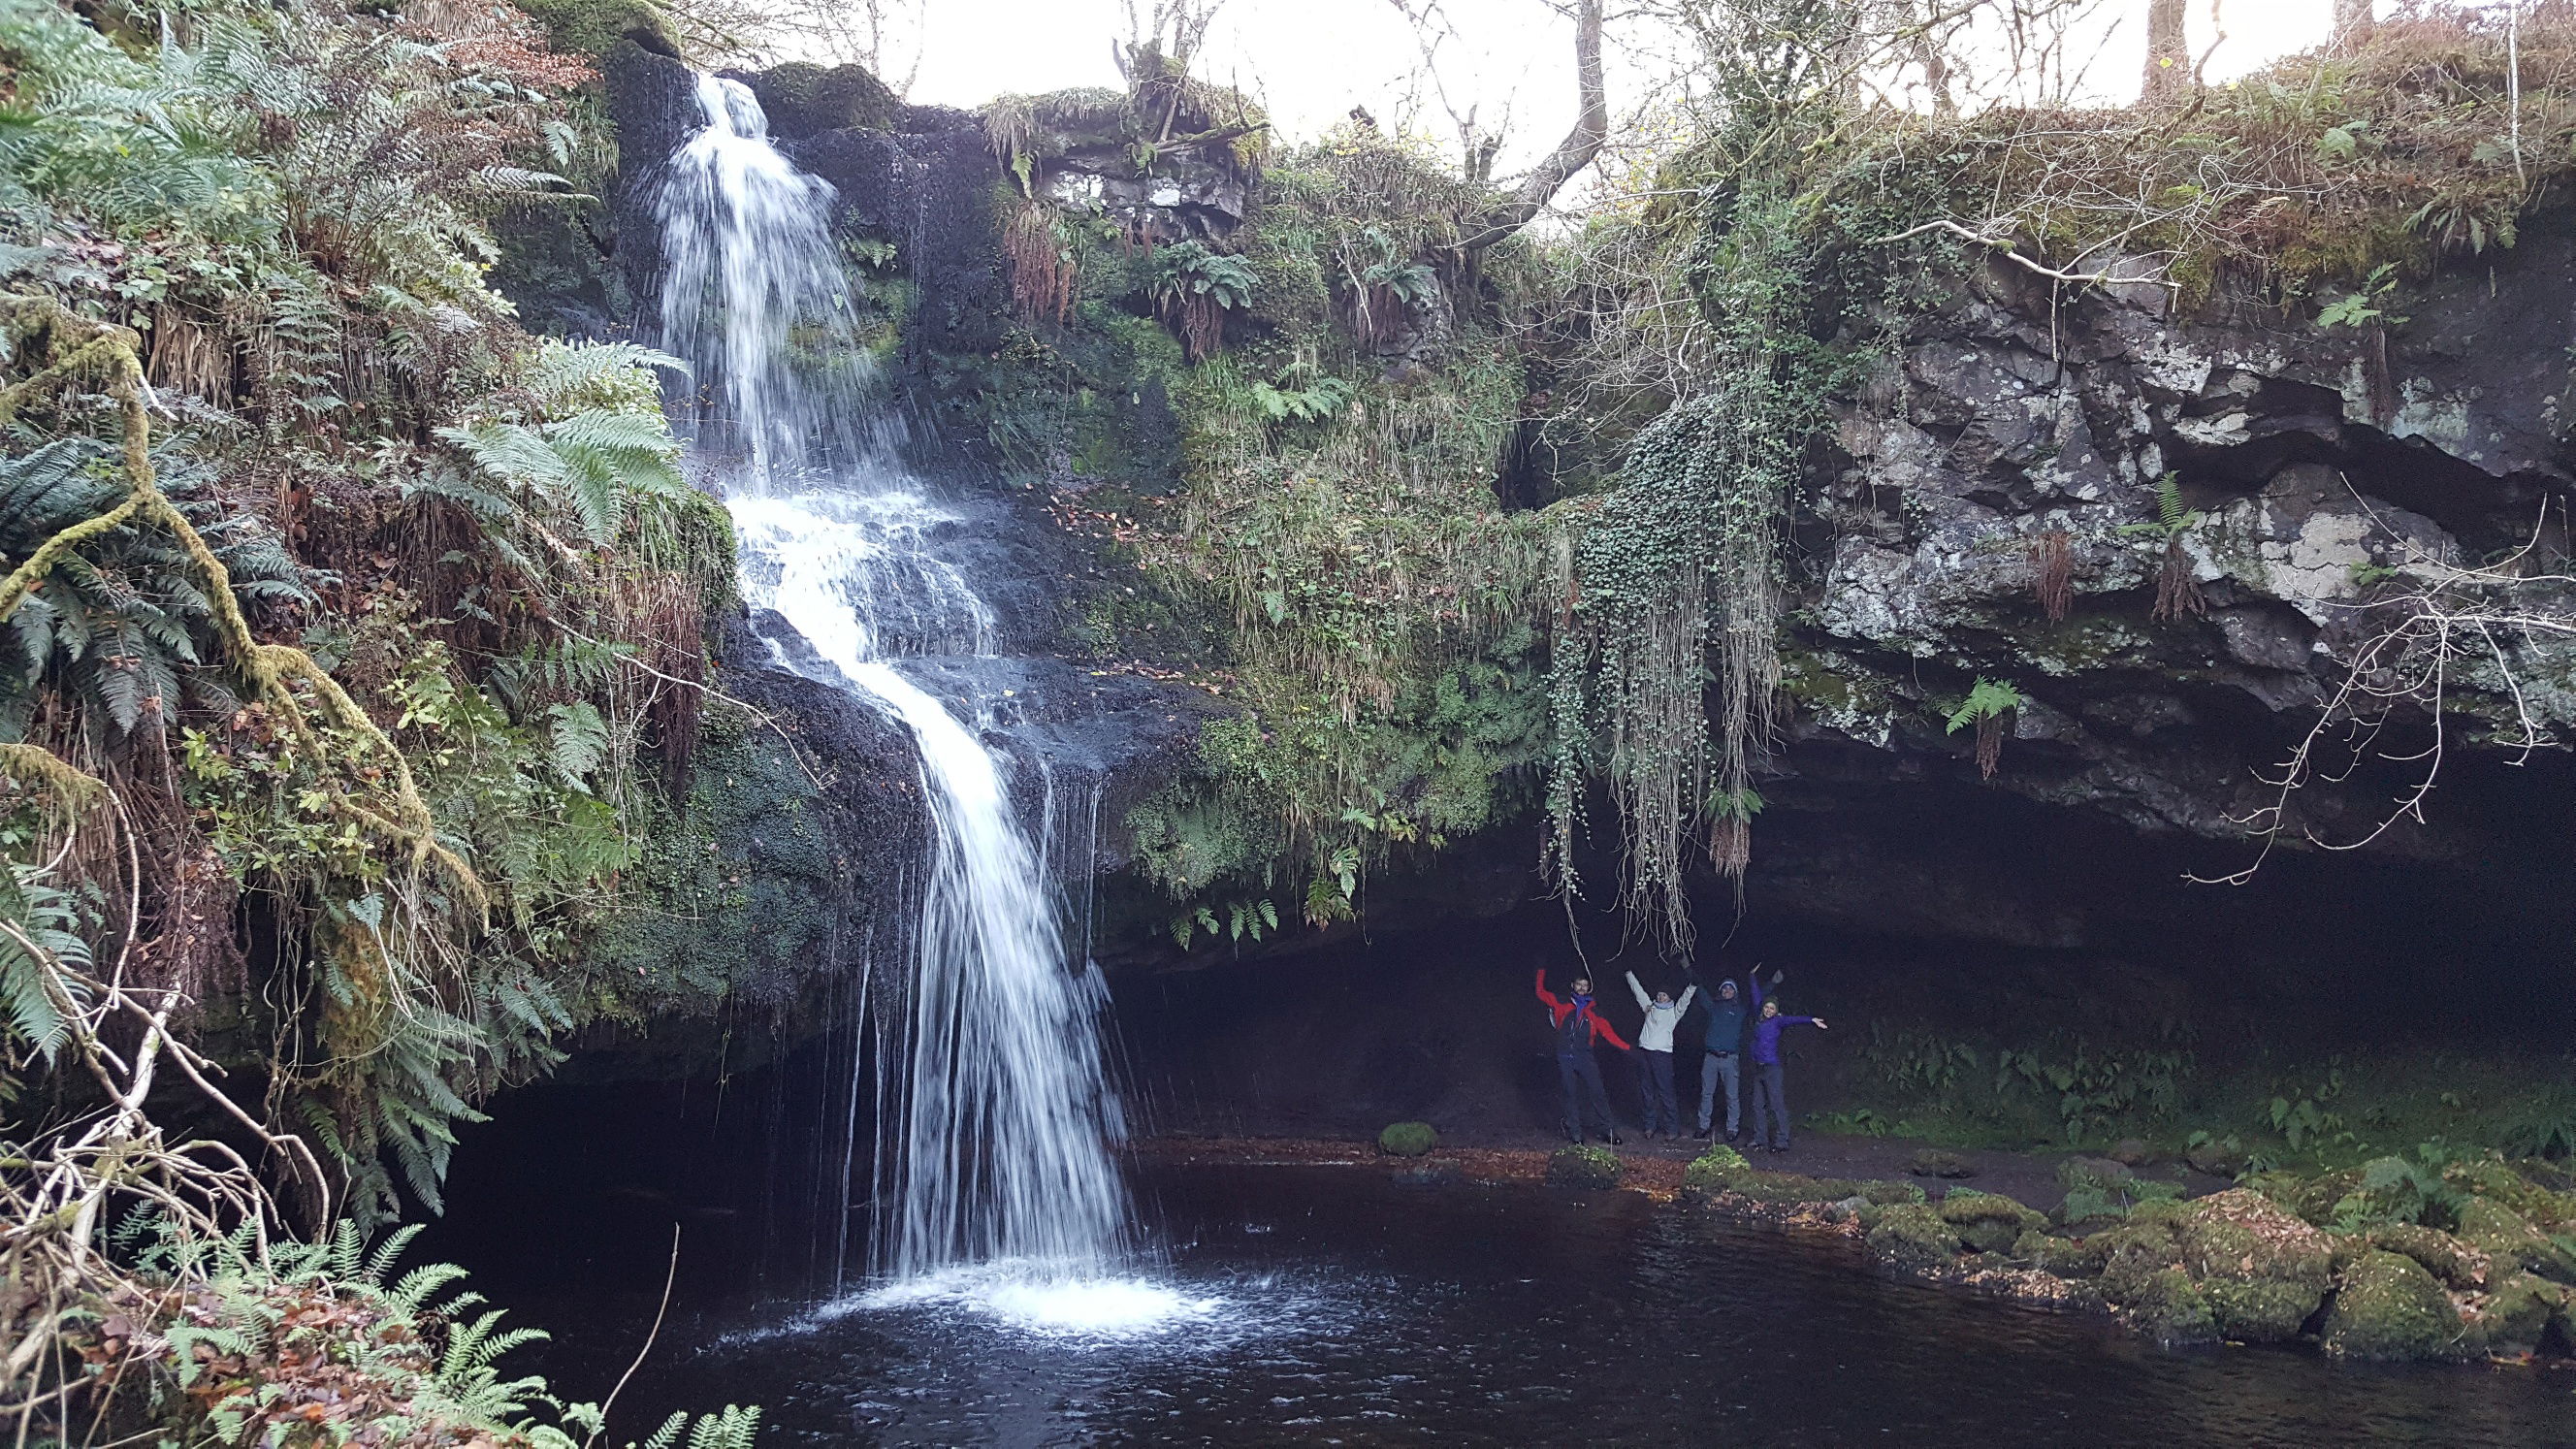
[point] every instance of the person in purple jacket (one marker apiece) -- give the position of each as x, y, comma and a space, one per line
1767, 1093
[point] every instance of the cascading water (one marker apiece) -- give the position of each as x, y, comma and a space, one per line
996, 1134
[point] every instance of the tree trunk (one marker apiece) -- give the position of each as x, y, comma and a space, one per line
1591, 129
2168, 55
2352, 22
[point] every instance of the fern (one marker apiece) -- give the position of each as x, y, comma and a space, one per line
33, 992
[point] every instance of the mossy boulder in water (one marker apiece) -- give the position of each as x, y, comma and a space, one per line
2388, 1307
2261, 1270
2510, 1242
1408, 1139
2172, 1309
2512, 1321
1989, 1222
2132, 1255
1912, 1238
1585, 1167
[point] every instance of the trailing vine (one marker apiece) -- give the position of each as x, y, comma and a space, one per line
1667, 666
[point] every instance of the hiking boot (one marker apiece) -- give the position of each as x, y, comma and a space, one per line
1614, 1139
1573, 1136
1703, 1135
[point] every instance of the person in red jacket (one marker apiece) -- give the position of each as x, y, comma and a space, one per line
1577, 1028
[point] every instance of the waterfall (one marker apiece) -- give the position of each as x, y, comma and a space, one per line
996, 1142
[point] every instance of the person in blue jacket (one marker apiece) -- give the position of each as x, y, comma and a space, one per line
1767, 1091
1722, 1009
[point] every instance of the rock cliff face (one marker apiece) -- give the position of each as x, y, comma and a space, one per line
2325, 464
2302, 479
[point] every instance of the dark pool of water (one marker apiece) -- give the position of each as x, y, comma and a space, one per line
1348, 1309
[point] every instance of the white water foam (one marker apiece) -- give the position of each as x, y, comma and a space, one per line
1021, 1295
996, 1140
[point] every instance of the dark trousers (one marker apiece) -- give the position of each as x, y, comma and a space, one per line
1581, 1076
1718, 1067
1768, 1097
1663, 1110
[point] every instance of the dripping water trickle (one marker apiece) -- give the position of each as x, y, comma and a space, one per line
993, 1107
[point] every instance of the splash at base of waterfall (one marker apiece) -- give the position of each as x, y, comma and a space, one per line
1023, 1295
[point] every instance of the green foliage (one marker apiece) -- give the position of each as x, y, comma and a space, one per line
2355, 308
286, 1343
123, 626
1189, 269
2062, 1090
1989, 699
37, 920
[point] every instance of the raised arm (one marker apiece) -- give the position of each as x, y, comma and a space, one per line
1644, 1002
1546, 995
1681, 1008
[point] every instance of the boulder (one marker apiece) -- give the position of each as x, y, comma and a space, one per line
1989, 1222
1572, 1166
1933, 1162
2389, 1307
2223, 1157
2131, 1152
2511, 1242
1408, 1139
2171, 1309
2461, 1267
2262, 1271
2063, 1257
2131, 1255
1913, 1238
2512, 1321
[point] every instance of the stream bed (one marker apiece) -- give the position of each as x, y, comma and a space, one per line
1331, 1305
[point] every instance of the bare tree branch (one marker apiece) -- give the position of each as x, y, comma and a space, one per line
1591, 129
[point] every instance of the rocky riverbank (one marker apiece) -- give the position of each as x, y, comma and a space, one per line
2395, 1260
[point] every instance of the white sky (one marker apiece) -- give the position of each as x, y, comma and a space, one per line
1312, 60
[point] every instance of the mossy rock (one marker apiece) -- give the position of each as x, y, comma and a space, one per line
2288, 1189
2171, 1309
2388, 1307
1933, 1162
2224, 1157
2262, 1270
591, 27
2100, 1174
1408, 1139
2317, 1196
2513, 1321
805, 99
1788, 1189
2131, 1255
1585, 1167
2510, 1242
1989, 1222
1912, 1238
1712, 1170
2499, 1182
1890, 1194
2063, 1257
2461, 1267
